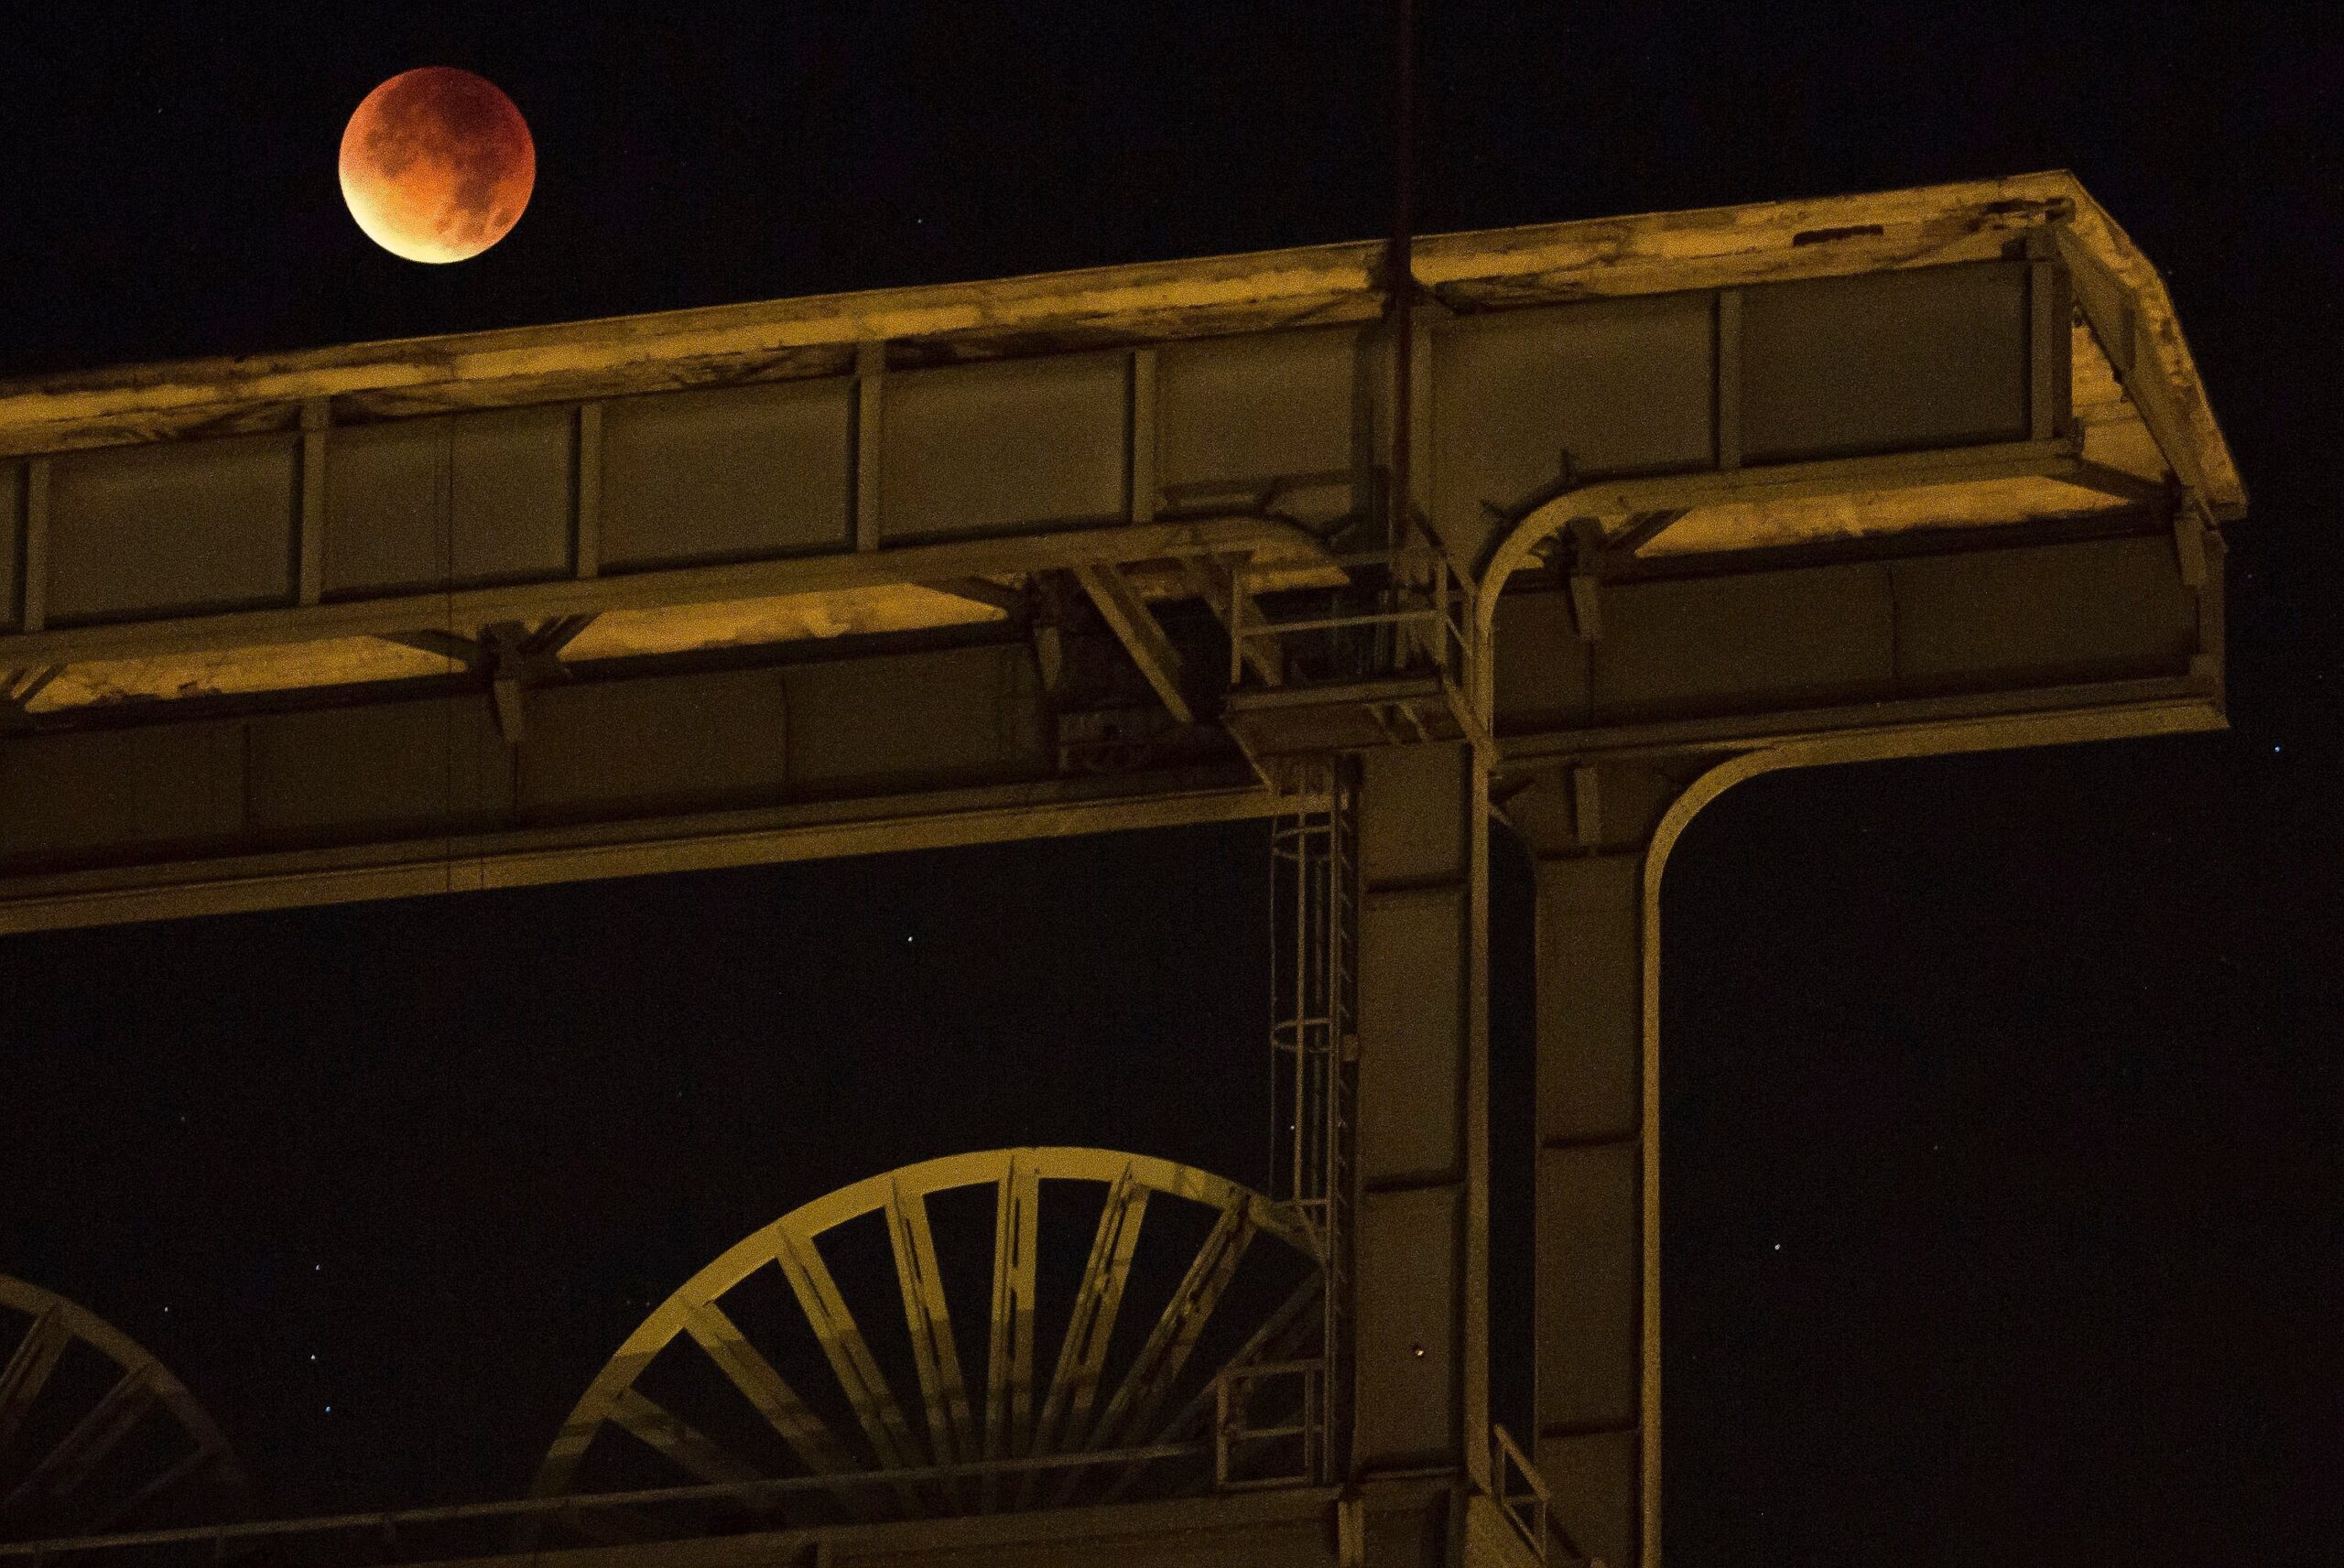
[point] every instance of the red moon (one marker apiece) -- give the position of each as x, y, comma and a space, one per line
437, 165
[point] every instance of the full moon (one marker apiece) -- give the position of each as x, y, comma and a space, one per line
437, 165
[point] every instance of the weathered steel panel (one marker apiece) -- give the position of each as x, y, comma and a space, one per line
682, 742
1589, 997
1412, 967
1416, 963
1885, 362
1024, 443
1592, 1482
1267, 413
634, 750
1403, 1538
120, 791
511, 484
2095, 608
386, 507
153, 529
1409, 1261
1622, 386
913, 719
465, 501
1590, 1276
384, 772
1788, 638
726, 475
1545, 672
1411, 814
1588, 1229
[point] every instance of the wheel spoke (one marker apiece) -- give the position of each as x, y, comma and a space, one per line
691, 1448
930, 1317
82, 1449
1009, 1365
1041, 1403
849, 1355
763, 1387
1158, 1365
203, 1462
1273, 1341
51, 1491
28, 1369
1075, 1383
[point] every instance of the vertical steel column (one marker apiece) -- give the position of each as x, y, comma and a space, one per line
1418, 1297
1591, 1186
1596, 1285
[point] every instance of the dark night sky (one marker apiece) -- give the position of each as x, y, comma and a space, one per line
2002, 1110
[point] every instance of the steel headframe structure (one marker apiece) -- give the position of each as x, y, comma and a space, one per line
1689, 498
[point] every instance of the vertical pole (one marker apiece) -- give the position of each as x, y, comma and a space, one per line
1399, 268
1729, 379
869, 366
1140, 433
311, 550
1474, 1264
1400, 263
588, 553
36, 585
2050, 310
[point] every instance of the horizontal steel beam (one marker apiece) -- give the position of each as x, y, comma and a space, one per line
946, 819
1409, 1521
1828, 236
2102, 711
201, 810
953, 565
2054, 458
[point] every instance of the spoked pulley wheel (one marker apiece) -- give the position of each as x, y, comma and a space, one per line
95, 1434
1012, 1329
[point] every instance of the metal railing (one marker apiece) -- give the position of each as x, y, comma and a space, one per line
1418, 591
1246, 1457
1519, 1490
385, 1529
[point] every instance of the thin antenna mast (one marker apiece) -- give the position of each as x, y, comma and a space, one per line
1399, 281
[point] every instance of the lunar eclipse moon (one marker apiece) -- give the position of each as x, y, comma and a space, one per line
437, 165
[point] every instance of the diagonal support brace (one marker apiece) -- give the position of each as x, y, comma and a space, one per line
1136, 628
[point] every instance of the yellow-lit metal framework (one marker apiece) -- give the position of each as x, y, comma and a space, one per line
1690, 497
1081, 1421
